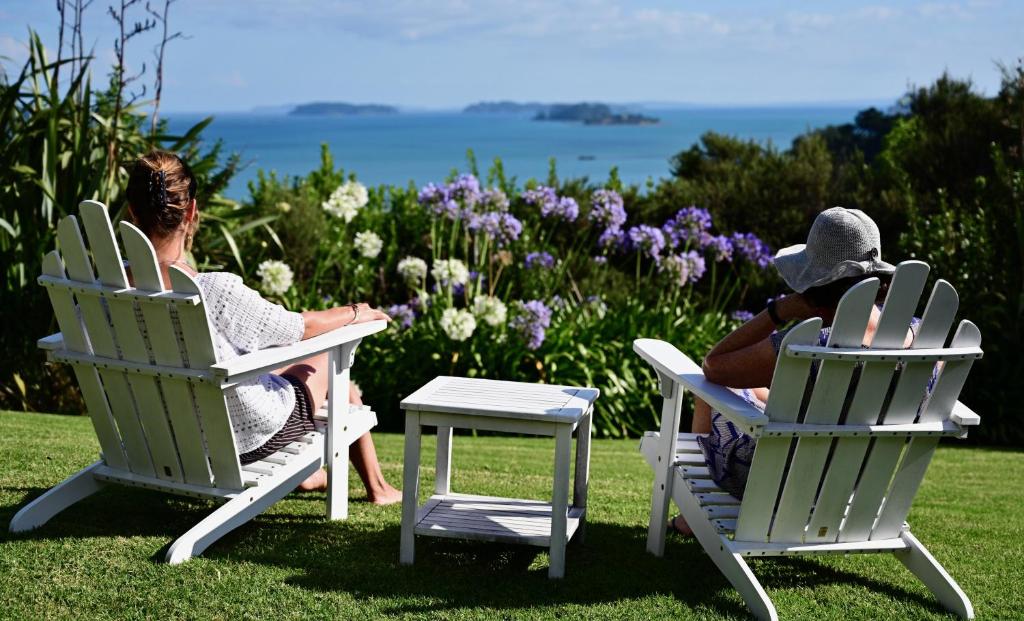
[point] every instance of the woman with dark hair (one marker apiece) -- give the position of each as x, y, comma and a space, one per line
269, 412
843, 248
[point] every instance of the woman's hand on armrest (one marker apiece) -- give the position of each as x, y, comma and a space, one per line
319, 322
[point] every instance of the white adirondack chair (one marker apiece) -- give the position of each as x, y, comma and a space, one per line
156, 395
821, 483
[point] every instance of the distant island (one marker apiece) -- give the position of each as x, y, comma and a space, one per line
592, 114
327, 108
505, 107
586, 113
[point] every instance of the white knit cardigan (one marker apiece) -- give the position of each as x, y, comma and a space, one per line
244, 322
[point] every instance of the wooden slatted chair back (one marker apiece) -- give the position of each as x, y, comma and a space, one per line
134, 348
811, 486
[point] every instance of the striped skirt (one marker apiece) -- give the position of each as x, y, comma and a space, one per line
298, 424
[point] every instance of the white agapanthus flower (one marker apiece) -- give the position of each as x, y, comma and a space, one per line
369, 244
458, 324
276, 277
490, 309
450, 271
346, 201
413, 270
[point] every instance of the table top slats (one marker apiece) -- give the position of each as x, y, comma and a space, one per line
502, 399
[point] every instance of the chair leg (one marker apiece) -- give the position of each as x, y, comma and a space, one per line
56, 499
232, 514
923, 565
733, 566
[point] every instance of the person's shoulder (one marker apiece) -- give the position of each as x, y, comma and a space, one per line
218, 283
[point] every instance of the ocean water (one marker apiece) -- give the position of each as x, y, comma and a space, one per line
424, 147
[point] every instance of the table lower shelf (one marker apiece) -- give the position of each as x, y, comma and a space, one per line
487, 518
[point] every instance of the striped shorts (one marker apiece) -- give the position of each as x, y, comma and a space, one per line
298, 424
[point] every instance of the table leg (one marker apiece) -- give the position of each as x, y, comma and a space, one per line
560, 501
339, 360
582, 481
443, 478
410, 487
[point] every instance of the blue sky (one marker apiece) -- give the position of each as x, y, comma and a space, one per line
447, 53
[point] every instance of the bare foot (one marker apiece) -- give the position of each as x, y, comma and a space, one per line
679, 525
386, 495
315, 481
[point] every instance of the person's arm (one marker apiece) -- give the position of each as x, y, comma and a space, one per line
319, 322
745, 358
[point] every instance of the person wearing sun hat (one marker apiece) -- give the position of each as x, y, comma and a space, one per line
843, 248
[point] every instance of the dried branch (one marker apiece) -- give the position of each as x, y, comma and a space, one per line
158, 52
121, 79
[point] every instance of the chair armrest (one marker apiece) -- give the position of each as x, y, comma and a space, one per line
673, 364
964, 416
265, 360
52, 342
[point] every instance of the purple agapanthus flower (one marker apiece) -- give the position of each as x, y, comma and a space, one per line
440, 201
402, 314
539, 259
687, 267
494, 199
752, 248
647, 239
600, 260
719, 247
565, 208
466, 188
606, 209
531, 321
540, 196
612, 238
501, 227
742, 315
688, 224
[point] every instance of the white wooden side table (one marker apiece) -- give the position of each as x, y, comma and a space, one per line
493, 405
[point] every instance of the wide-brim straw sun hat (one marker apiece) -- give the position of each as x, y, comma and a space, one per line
842, 243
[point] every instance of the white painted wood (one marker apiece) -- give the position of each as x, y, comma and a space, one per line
115, 384
810, 549
772, 454
54, 500
937, 428
560, 502
210, 400
165, 350
339, 360
487, 423
488, 518
581, 478
661, 490
732, 565
668, 360
242, 508
850, 354
96, 290
148, 401
918, 560
410, 487
443, 461
531, 409
884, 453
75, 339
263, 361
964, 416
502, 399
830, 388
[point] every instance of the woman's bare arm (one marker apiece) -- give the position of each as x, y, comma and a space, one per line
319, 322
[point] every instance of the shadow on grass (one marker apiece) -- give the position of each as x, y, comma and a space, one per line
359, 558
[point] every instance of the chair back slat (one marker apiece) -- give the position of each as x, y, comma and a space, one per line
198, 341
920, 450
771, 455
148, 401
178, 400
872, 386
807, 466
97, 323
75, 339
884, 454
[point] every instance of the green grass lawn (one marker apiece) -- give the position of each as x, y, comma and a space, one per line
100, 558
